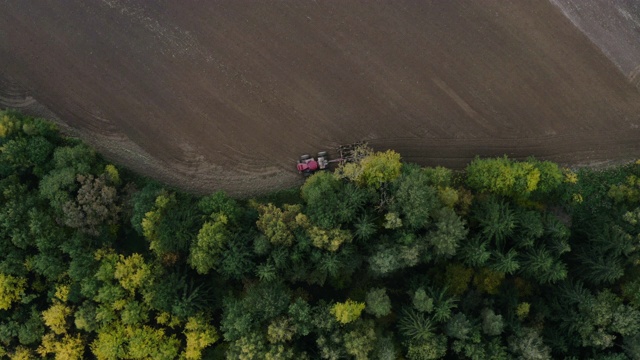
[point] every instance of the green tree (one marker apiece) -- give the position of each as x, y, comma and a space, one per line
252, 346
207, 251
301, 314
492, 324
632, 346
438, 176
280, 330
85, 317
449, 232
364, 227
507, 263
497, 221
330, 201
459, 327
31, 329
604, 254
386, 348
26, 144
237, 260
360, 341
603, 318
528, 345
433, 347
59, 184
415, 326
142, 202
174, 292
474, 251
389, 258
530, 227
171, 225
220, 202
551, 176
504, 177
443, 304
422, 301
17, 202
378, 302
542, 266
262, 303
54, 244
392, 221
278, 224
416, 199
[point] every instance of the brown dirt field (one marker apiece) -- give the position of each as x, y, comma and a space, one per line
614, 26
227, 94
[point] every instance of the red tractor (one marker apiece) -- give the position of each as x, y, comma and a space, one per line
308, 165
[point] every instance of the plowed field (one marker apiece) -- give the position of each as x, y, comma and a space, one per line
227, 94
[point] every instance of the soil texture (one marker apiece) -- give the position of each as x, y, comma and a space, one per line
227, 94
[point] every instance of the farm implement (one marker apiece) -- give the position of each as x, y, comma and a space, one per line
307, 165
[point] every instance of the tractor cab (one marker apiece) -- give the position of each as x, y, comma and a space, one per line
308, 165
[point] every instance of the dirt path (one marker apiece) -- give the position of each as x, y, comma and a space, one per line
226, 96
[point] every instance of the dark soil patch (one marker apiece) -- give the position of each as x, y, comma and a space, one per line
227, 95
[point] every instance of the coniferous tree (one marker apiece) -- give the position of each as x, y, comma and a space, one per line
416, 199
449, 231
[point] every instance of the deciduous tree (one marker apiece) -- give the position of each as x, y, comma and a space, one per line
347, 311
360, 341
207, 251
199, 334
95, 205
373, 170
378, 302
11, 290
277, 224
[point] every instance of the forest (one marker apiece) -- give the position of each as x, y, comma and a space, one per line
378, 259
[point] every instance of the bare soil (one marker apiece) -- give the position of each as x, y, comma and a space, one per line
227, 94
614, 26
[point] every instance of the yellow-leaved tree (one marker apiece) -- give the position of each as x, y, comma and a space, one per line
372, 170
11, 290
200, 334
132, 272
347, 311
65, 348
56, 316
